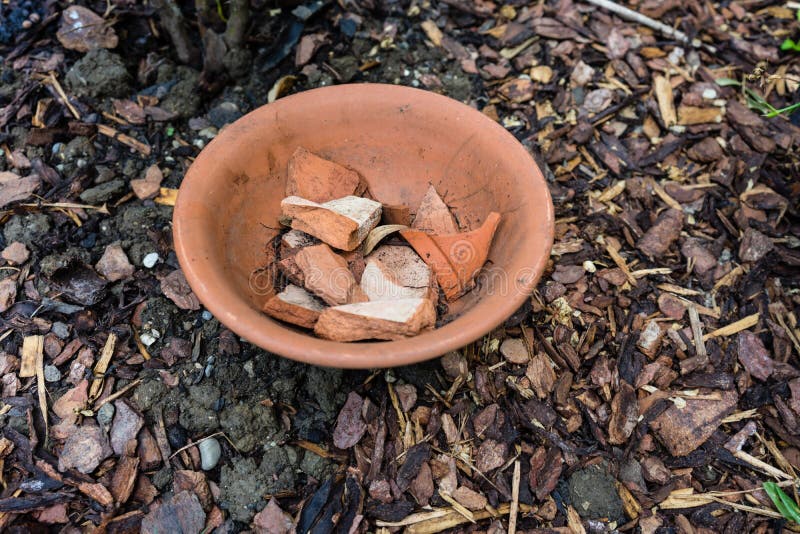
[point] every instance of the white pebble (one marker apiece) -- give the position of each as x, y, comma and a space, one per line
150, 260
148, 338
210, 451
709, 94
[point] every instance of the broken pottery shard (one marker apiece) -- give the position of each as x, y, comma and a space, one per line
294, 240
288, 268
294, 305
455, 259
342, 223
397, 214
376, 320
433, 216
327, 275
396, 272
319, 180
667, 228
683, 429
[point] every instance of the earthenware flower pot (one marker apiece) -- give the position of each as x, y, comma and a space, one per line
401, 140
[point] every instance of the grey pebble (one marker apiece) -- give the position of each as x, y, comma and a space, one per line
210, 451
51, 373
105, 415
60, 329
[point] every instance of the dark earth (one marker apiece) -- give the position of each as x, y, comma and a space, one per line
674, 194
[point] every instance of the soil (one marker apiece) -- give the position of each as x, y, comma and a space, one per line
578, 433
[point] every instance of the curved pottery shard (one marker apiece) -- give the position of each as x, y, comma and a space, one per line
455, 258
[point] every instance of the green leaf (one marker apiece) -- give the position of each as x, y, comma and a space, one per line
785, 504
789, 45
726, 82
788, 110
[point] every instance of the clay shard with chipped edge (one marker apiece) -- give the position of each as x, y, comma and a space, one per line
376, 320
342, 223
327, 275
318, 179
395, 271
457, 258
295, 305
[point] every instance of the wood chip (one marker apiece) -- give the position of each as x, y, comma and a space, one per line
32, 347
101, 367
733, 328
666, 102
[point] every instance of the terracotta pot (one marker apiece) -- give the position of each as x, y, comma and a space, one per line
401, 140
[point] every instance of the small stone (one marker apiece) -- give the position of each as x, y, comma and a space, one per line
148, 187
206, 315
754, 245
105, 415
51, 373
103, 192
224, 113
514, 351
125, 427
16, 253
150, 260
210, 451
114, 264
60, 329
84, 450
